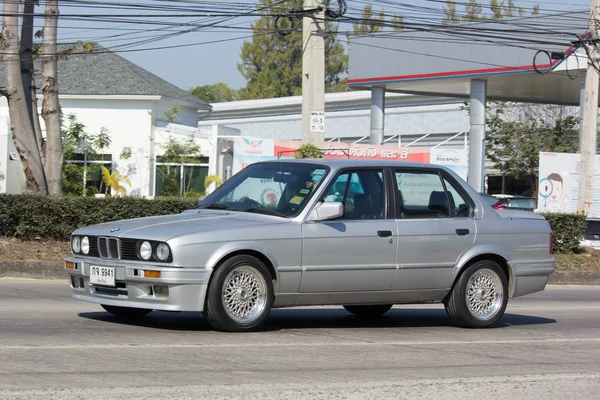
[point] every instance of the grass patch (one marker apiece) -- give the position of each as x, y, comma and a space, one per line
585, 259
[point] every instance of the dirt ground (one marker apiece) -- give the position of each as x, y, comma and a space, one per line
55, 250
46, 250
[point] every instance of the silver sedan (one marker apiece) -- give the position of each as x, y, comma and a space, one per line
364, 235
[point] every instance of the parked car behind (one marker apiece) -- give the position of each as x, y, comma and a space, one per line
364, 235
591, 237
515, 202
496, 203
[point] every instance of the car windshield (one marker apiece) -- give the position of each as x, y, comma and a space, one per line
273, 188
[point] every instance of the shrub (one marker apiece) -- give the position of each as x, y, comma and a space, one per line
29, 217
308, 150
567, 231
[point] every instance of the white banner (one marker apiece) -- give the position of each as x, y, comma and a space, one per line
249, 151
455, 159
558, 188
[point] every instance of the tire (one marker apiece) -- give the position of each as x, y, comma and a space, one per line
369, 311
240, 295
479, 297
126, 312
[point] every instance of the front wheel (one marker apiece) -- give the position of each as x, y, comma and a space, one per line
126, 312
369, 311
240, 295
479, 297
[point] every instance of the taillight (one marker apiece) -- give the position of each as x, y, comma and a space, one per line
499, 206
550, 242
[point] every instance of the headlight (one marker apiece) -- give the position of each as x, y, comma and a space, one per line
85, 245
76, 244
162, 252
145, 250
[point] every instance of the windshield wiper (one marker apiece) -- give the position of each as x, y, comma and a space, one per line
216, 207
265, 211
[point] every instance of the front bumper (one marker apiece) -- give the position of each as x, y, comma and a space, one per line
177, 289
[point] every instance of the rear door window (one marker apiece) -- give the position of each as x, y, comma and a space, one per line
421, 194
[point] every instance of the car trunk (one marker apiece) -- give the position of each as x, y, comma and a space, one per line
517, 214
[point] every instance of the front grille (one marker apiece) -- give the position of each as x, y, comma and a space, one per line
129, 249
112, 248
93, 246
108, 247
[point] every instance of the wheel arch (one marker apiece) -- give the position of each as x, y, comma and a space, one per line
259, 253
486, 253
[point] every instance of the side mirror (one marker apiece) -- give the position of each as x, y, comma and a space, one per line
327, 210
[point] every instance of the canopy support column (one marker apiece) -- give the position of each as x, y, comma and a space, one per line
377, 115
477, 135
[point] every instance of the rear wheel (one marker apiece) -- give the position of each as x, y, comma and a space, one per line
240, 295
479, 298
369, 311
126, 312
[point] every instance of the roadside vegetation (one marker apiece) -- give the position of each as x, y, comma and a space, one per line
13, 249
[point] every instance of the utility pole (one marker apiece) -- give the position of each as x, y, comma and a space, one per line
313, 73
590, 118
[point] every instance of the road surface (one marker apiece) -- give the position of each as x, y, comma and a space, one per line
51, 346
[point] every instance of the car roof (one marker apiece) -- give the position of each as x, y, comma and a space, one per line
339, 163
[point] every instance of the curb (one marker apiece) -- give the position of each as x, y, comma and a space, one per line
561, 277
33, 269
55, 270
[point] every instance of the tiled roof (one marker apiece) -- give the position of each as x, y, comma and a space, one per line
102, 72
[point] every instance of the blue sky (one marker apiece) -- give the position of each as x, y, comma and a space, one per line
200, 62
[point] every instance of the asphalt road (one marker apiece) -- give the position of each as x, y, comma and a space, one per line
548, 346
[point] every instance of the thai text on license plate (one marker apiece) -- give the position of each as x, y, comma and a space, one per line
102, 275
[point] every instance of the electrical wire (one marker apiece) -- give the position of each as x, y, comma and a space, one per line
525, 32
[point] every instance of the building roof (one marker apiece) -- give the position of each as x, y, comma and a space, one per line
102, 72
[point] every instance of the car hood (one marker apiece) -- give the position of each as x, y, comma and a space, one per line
166, 227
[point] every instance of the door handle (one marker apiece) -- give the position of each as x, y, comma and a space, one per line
384, 233
462, 232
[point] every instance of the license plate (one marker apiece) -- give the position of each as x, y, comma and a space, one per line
102, 276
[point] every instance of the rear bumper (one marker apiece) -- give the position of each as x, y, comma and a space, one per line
531, 276
177, 289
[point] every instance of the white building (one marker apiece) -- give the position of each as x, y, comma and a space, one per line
422, 121
106, 91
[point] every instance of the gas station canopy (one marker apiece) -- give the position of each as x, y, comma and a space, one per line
523, 59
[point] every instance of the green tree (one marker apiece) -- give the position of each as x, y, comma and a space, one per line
76, 141
398, 22
216, 93
474, 11
177, 152
517, 133
272, 63
308, 150
113, 180
368, 23
450, 15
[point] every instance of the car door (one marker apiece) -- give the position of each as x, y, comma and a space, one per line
357, 251
435, 225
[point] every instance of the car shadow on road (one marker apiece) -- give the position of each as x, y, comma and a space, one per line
314, 318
